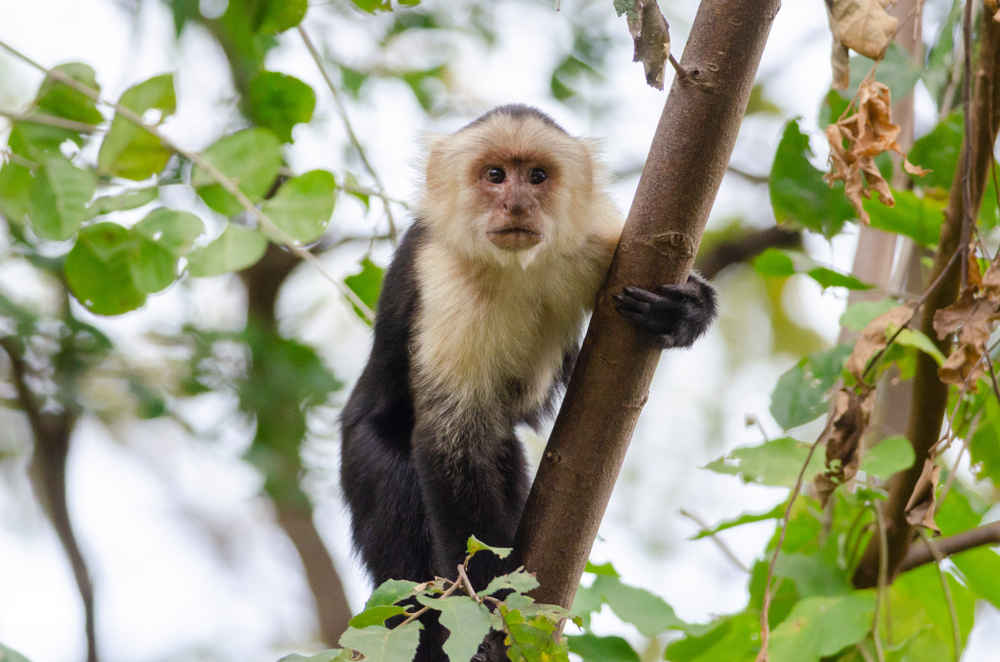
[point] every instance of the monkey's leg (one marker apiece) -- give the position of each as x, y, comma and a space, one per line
678, 314
471, 486
387, 512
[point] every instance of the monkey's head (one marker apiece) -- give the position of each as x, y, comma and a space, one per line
510, 186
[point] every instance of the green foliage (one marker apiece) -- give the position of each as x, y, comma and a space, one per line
648, 612
889, 456
592, 648
896, 70
128, 150
820, 626
250, 158
730, 639
917, 218
799, 195
302, 207
236, 248
58, 99
58, 198
777, 263
278, 102
11, 655
367, 286
801, 394
776, 462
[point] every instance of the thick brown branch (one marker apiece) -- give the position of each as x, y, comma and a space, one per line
929, 393
686, 163
988, 534
743, 248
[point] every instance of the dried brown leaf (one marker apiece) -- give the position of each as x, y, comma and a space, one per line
991, 283
915, 169
973, 319
843, 433
920, 508
651, 36
840, 60
874, 339
963, 367
862, 25
975, 275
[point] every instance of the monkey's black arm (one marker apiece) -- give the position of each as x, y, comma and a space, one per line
677, 314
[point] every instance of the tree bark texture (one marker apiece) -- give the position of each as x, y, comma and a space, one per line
930, 395
686, 163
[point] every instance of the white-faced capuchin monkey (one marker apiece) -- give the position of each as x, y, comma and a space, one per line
478, 327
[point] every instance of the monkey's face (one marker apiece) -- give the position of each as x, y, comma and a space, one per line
515, 192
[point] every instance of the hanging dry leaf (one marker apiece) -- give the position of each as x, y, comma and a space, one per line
874, 337
650, 33
963, 367
973, 319
920, 508
975, 275
915, 169
867, 133
843, 433
991, 283
862, 25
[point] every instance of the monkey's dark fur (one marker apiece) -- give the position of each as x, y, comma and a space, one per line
477, 328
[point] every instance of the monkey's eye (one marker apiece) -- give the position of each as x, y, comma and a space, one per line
537, 176
496, 175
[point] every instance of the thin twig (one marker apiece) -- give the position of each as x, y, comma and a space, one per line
350, 130
50, 120
415, 615
993, 375
18, 160
883, 565
947, 593
677, 67
463, 578
718, 541
228, 184
765, 628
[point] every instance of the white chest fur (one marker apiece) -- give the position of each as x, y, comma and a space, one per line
489, 332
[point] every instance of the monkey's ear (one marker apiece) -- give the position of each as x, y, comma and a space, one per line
434, 161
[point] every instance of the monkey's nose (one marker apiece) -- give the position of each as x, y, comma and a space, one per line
518, 209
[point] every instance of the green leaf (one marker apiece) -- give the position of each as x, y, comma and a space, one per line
798, 193
776, 263
302, 207
981, 568
821, 626
812, 576
603, 569
58, 198
801, 394
984, 448
278, 102
917, 340
236, 248
648, 612
468, 622
533, 639
367, 286
99, 272
592, 648
158, 242
587, 601
519, 580
896, 69
776, 463
919, 219
332, 655
372, 6
379, 644
747, 518
250, 158
858, 315
281, 15
889, 456
919, 610
375, 616
938, 151
475, 545
128, 150
11, 655
390, 592
15, 187
128, 199
731, 639
62, 100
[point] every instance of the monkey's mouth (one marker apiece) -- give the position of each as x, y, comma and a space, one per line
514, 238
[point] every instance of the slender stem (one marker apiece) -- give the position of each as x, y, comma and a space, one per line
718, 541
947, 595
228, 184
880, 596
19, 160
50, 120
415, 615
350, 130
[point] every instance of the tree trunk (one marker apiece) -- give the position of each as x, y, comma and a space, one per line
610, 384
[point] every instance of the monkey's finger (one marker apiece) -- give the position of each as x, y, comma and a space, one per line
639, 307
680, 292
631, 315
642, 295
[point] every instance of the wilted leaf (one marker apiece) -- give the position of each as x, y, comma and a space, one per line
874, 338
651, 36
920, 508
963, 367
842, 436
973, 319
862, 25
